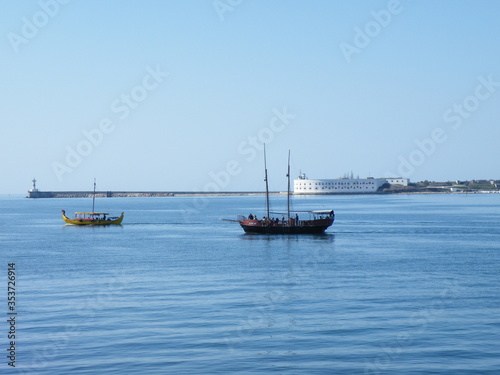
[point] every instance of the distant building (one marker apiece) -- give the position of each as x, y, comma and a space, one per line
398, 181
304, 185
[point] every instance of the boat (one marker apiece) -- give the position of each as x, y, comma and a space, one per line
316, 223
93, 218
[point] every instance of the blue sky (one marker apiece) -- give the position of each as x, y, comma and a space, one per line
180, 95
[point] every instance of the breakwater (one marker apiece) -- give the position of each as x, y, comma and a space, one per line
114, 194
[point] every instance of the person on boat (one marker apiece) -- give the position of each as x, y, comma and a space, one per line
250, 217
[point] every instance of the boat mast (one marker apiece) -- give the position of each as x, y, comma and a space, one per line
267, 185
288, 190
93, 198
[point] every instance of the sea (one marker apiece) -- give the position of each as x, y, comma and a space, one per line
399, 284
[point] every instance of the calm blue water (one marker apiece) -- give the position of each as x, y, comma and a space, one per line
398, 285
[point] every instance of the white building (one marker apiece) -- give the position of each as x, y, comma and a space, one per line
304, 185
398, 181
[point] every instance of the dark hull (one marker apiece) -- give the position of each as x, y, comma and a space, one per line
284, 230
311, 227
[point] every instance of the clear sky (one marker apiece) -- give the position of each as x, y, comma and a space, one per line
181, 94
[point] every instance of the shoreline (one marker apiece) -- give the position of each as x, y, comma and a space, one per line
148, 194
131, 194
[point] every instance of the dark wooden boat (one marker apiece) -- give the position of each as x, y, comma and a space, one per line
316, 223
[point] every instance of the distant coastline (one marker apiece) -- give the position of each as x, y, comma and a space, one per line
304, 186
115, 194
145, 194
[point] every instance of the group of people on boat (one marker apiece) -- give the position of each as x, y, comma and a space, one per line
90, 217
265, 221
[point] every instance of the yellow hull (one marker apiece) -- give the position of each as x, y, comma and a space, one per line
117, 221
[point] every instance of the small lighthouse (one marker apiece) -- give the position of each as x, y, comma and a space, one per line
33, 192
33, 189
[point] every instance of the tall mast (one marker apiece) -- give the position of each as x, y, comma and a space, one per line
93, 198
267, 185
288, 190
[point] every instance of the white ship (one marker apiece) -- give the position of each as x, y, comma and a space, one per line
304, 185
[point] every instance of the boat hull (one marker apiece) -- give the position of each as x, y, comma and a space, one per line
117, 221
305, 227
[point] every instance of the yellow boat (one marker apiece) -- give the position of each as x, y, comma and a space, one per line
92, 218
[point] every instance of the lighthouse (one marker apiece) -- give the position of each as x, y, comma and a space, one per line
33, 192
33, 189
